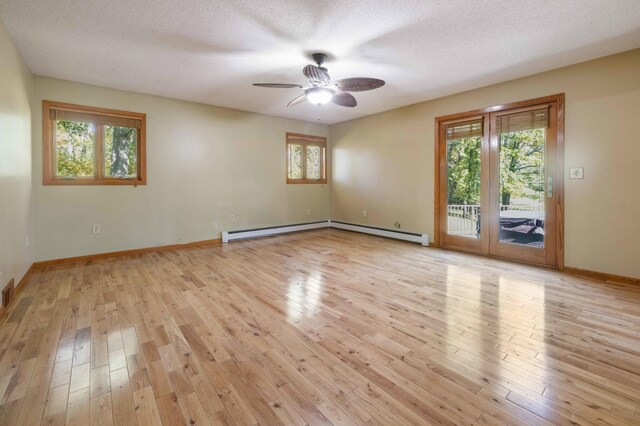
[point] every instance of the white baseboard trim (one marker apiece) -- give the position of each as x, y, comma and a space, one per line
388, 233
274, 230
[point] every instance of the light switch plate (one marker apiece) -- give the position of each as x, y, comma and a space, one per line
576, 173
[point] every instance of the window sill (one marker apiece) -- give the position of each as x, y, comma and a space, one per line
317, 182
107, 182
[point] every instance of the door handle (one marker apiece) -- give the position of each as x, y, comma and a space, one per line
549, 187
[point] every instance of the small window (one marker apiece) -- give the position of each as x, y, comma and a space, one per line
306, 159
92, 146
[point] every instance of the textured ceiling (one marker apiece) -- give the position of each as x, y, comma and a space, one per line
211, 51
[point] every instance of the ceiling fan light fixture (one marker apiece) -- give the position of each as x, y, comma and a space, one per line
319, 95
320, 91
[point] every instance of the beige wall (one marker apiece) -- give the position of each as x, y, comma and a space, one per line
203, 164
234, 164
16, 208
385, 163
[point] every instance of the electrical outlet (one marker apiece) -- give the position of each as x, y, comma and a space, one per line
364, 213
576, 173
232, 217
308, 212
95, 229
215, 226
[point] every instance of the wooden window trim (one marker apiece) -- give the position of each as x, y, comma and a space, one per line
48, 153
306, 140
558, 99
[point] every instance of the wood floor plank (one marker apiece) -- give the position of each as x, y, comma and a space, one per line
78, 408
192, 411
146, 408
10, 412
122, 398
170, 411
18, 383
100, 383
320, 327
101, 411
80, 377
34, 403
99, 352
56, 405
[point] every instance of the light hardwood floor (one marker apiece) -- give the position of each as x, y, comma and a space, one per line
318, 327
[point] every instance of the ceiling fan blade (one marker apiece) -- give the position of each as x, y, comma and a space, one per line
358, 84
344, 99
298, 100
316, 75
278, 85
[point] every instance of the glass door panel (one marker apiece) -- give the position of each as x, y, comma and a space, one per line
522, 195
464, 183
522, 178
463, 187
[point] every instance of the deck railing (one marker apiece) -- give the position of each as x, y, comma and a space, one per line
463, 219
520, 207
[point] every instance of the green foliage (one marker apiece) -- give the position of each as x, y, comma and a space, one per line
295, 161
463, 179
120, 151
311, 156
75, 148
313, 162
521, 167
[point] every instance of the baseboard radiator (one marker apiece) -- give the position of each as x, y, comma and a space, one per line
228, 236
272, 230
382, 232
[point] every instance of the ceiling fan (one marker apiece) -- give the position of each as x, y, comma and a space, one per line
322, 90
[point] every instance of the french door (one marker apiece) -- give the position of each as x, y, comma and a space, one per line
499, 182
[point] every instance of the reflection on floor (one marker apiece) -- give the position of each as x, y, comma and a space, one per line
318, 327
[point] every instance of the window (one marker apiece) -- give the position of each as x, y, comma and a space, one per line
92, 146
306, 159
